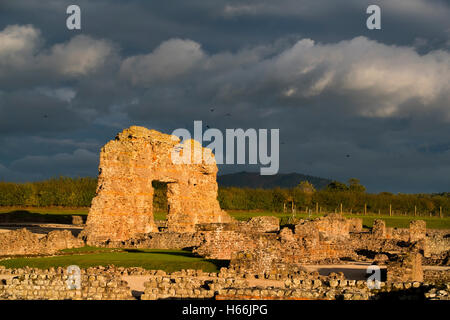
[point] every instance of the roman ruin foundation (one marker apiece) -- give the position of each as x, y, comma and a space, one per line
266, 259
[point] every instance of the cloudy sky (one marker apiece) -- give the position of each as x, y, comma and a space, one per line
349, 102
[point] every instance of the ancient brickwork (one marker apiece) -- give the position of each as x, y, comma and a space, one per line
24, 242
122, 207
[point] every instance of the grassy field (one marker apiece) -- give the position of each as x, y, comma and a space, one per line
167, 260
63, 215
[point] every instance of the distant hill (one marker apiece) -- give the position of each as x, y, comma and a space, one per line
255, 180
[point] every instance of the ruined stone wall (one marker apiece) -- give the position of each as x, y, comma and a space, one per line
417, 230
261, 224
332, 226
22, 242
401, 234
355, 224
122, 207
313, 241
222, 244
379, 229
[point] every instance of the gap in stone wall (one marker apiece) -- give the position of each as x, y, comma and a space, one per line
160, 202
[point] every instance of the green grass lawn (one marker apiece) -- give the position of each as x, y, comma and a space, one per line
403, 221
167, 260
63, 215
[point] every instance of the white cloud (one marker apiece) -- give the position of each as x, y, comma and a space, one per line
172, 58
374, 79
21, 53
80, 56
387, 76
18, 44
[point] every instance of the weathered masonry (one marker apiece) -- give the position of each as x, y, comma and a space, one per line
122, 208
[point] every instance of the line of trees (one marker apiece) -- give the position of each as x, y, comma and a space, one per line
352, 197
63, 191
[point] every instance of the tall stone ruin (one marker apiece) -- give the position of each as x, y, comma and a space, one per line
122, 207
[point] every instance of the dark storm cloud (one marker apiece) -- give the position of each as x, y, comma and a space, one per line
228, 25
34, 113
310, 68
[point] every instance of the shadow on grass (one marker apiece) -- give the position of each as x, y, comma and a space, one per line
21, 216
218, 263
153, 251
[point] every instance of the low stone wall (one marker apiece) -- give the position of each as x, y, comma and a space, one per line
22, 242
189, 284
407, 267
105, 283
302, 285
35, 284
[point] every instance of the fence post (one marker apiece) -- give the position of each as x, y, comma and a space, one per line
365, 208
341, 208
390, 210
